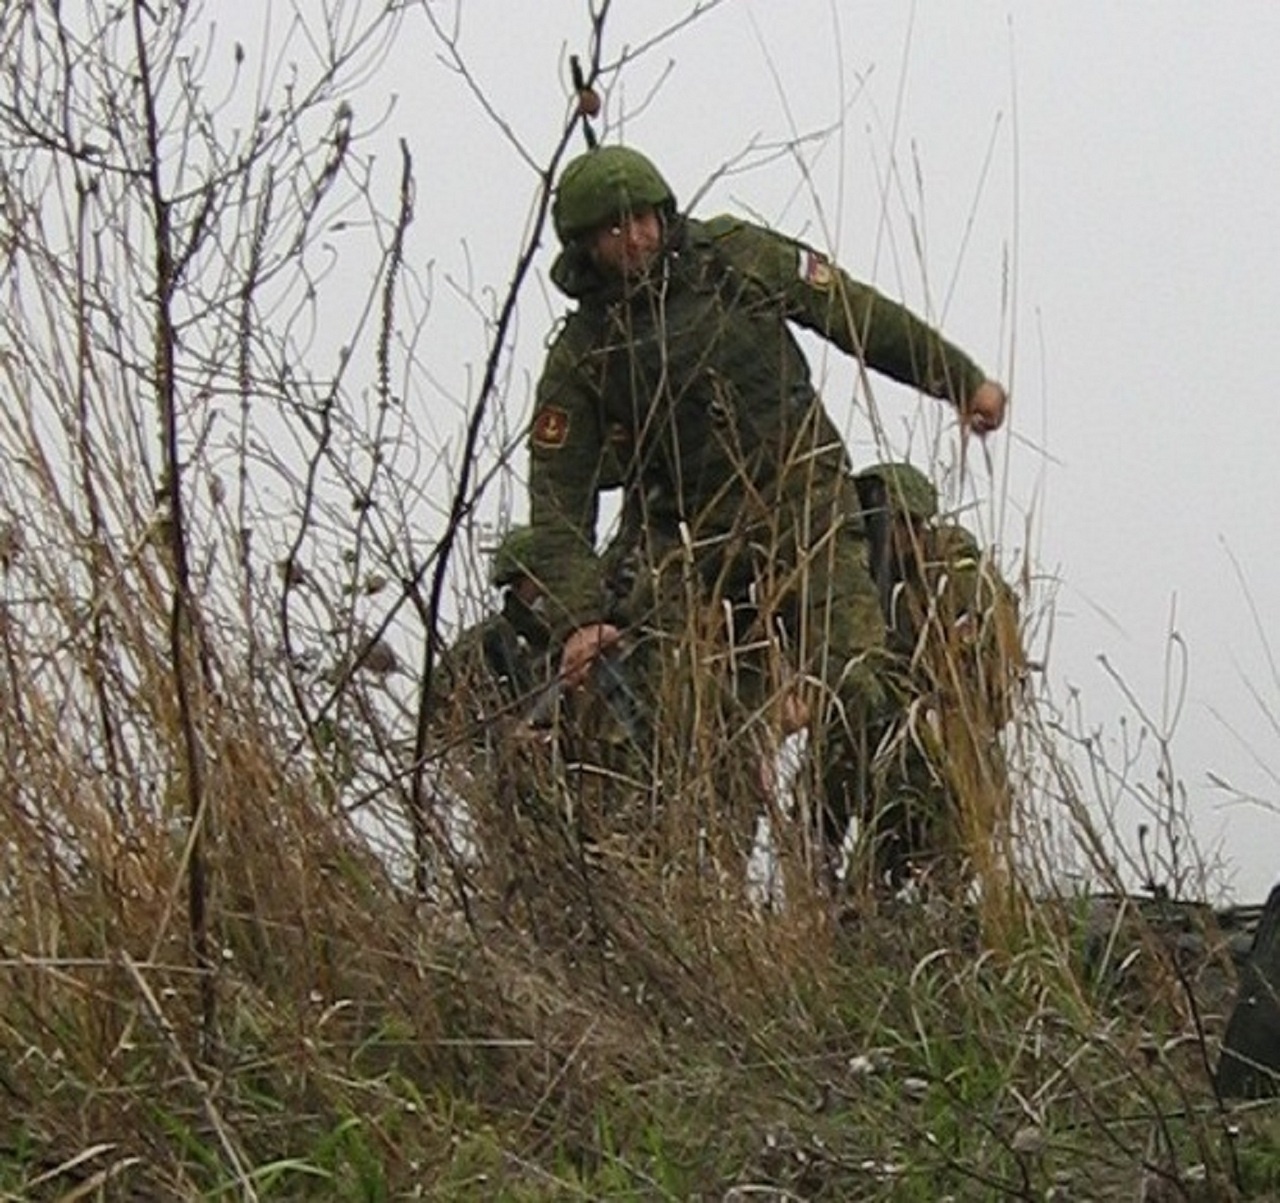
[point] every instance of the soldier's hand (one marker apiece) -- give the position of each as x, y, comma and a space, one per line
581, 650
984, 411
794, 712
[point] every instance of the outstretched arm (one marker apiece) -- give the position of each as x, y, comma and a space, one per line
887, 336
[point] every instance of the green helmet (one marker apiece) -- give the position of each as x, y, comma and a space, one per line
513, 557
602, 184
907, 490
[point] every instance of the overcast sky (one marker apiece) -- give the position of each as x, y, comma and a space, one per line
1084, 195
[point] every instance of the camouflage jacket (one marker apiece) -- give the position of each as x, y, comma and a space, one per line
494, 664
690, 390
954, 624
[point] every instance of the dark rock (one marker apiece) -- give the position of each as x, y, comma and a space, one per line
1249, 1067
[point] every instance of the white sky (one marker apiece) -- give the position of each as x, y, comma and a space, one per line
1095, 188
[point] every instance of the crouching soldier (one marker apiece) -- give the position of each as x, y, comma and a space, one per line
941, 796
483, 687
496, 667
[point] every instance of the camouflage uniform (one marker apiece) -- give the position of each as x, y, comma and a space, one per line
498, 663
689, 385
956, 665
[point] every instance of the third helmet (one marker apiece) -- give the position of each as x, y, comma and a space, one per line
908, 490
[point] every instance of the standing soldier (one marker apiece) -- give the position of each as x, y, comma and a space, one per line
679, 362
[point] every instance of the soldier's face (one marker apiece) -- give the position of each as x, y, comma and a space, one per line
528, 590
628, 246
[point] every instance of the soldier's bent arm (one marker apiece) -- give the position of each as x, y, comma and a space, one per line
817, 294
566, 450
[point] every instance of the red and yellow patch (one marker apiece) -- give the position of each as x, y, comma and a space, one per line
550, 428
815, 269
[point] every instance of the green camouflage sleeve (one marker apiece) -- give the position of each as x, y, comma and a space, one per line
567, 453
817, 294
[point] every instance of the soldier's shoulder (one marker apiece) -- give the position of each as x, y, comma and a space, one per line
735, 236
954, 542
472, 637
570, 349
721, 226
749, 248
575, 333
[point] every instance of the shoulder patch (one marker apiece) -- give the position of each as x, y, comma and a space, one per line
550, 428
815, 269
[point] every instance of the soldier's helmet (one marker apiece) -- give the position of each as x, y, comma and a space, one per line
904, 489
513, 557
602, 185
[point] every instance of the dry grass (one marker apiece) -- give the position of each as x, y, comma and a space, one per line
606, 1017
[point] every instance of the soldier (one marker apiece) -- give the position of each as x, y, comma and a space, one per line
501, 661
941, 796
679, 363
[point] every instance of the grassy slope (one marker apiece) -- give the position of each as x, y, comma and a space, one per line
605, 1019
